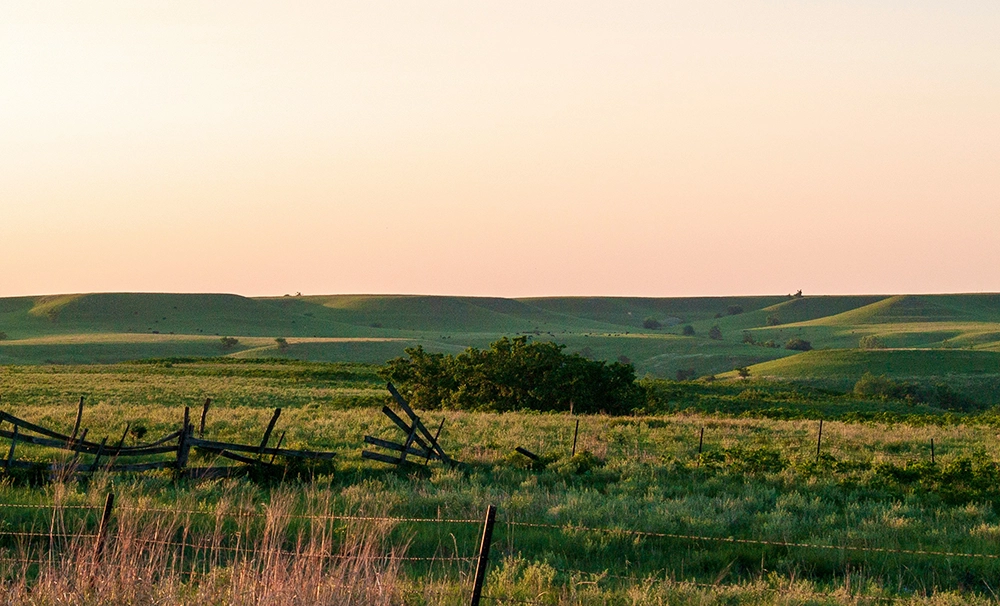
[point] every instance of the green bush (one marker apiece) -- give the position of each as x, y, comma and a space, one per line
651, 323
229, 342
688, 330
871, 342
797, 344
715, 333
514, 374
940, 395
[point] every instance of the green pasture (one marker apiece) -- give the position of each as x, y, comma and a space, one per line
648, 332
975, 373
872, 490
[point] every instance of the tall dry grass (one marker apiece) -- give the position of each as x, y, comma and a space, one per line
158, 556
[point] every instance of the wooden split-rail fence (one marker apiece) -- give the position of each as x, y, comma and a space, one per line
108, 456
117, 457
418, 441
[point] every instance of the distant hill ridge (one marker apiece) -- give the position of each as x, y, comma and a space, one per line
650, 332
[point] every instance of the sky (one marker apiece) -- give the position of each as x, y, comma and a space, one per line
513, 148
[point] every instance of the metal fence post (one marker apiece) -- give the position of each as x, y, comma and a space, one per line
484, 554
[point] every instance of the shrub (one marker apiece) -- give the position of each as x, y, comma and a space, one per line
138, 431
229, 342
282, 343
743, 372
688, 330
514, 374
715, 333
772, 320
883, 388
734, 310
798, 344
748, 338
3, 336
871, 342
651, 323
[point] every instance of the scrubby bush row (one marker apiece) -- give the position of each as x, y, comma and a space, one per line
939, 394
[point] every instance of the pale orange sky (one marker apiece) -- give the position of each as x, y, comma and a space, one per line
500, 148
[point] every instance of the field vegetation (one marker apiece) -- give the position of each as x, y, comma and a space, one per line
708, 492
711, 484
711, 335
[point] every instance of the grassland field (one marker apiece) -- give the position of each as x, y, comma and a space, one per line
108, 328
873, 487
873, 490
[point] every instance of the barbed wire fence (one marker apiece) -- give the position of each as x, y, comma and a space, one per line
93, 527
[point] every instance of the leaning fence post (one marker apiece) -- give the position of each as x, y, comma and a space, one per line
484, 554
10, 453
102, 531
79, 417
819, 439
204, 415
575, 432
183, 445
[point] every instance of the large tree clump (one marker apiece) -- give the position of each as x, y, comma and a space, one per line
514, 374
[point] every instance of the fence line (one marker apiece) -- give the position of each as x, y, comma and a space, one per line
52, 506
635, 579
46, 535
251, 550
755, 541
521, 524
303, 554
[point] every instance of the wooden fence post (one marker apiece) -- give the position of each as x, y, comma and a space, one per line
79, 417
484, 554
932, 451
102, 531
183, 445
575, 432
270, 428
204, 414
819, 439
10, 453
437, 435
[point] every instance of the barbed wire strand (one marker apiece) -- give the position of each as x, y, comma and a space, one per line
692, 537
634, 579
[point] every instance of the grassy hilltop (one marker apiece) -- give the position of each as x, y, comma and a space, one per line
958, 335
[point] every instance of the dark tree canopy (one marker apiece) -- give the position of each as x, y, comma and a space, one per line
798, 344
514, 374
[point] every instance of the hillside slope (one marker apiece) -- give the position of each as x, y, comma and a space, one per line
112, 327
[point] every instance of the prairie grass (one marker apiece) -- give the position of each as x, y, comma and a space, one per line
872, 491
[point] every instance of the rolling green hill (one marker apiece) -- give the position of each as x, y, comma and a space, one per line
112, 327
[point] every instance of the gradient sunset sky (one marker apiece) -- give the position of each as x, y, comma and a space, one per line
500, 148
